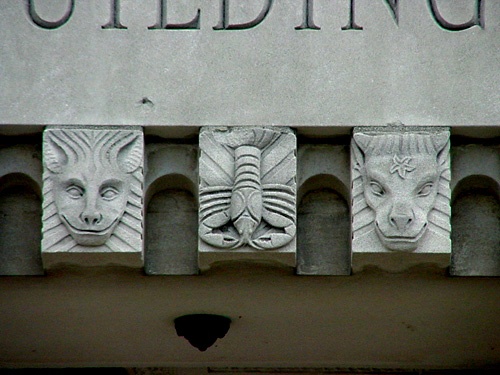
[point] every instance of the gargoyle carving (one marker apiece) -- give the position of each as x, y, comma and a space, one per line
401, 191
92, 190
247, 188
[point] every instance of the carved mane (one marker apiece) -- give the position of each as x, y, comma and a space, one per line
65, 149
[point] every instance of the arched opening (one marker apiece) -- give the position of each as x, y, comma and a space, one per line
171, 233
323, 236
475, 228
20, 226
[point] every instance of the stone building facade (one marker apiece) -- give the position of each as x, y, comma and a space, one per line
311, 186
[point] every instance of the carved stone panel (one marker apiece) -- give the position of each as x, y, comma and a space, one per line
92, 190
400, 190
247, 189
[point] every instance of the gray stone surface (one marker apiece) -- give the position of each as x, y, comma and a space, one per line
247, 189
171, 240
323, 235
171, 229
414, 71
400, 190
20, 208
474, 160
476, 234
476, 210
92, 193
20, 230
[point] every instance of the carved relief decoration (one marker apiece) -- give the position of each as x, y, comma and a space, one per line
247, 188
401, 190
92, 190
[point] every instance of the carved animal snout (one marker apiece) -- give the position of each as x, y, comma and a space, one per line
401, 217
91, 218
401, 222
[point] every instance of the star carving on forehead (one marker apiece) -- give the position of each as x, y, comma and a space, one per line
401, 165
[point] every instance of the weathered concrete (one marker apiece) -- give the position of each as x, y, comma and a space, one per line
20, 207
476, 210
324, 233
117, 317
171, 238
476, 234
413, 71
323, 237
20, 230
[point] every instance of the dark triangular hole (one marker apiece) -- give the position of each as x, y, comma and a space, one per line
202, 330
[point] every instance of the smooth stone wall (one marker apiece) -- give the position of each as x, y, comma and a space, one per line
20, 231
323, 240
415, 71
171, 234
476, 234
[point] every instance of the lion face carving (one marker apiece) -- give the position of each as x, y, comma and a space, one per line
91, 177
400, 182
90, 201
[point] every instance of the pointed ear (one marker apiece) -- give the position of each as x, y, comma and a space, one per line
54, 156
130, 155
362, 140
358, 161
442, 145
440, 140
358, 146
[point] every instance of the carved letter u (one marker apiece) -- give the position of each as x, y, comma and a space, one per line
44, 24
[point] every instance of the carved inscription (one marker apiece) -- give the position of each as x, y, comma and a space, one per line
401, 193
44, 24
92, 190
308, 23
476, 20
393, 7
162, 23
224, 17
247, 188
114, 22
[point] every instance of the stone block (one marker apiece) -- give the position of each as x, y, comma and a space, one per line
323, 220
366, 63
247, 192
401, 190
20, 208
171, 222
475, 210
92, 191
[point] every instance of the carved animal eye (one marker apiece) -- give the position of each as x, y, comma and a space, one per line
74, 191
109, 193
377, 189
425, 190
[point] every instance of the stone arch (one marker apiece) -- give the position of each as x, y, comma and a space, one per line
323, 237
171, 227
476, 227
23, 160
20, 225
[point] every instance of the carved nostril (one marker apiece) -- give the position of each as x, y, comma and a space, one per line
91, 219
401, 222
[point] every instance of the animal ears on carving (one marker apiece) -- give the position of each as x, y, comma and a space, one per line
441, 143
63, 148
361, 141
129, 153
57, 153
